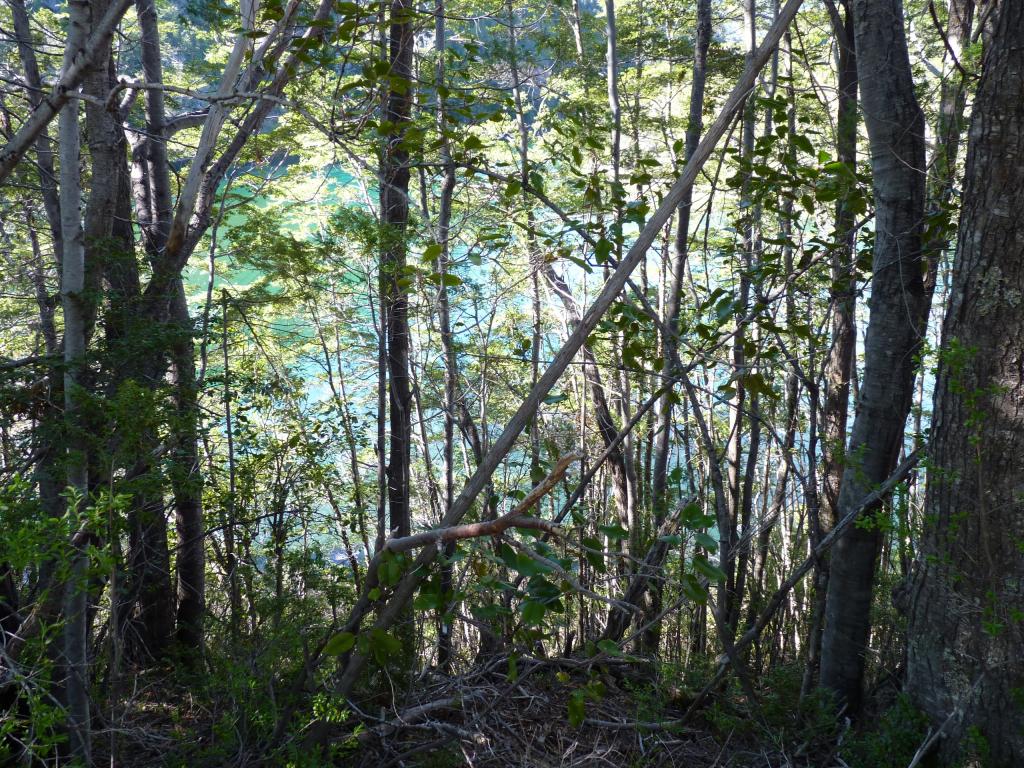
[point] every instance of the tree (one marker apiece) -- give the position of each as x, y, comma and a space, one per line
75, 303
967, 615
895, 126
670, 341
394, 211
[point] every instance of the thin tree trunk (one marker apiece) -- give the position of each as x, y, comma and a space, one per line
228, 521
187, 485
673, 300
451, 369
839, 360
728, 524
394, 209
74, 304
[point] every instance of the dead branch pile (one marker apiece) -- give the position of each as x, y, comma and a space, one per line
487, 720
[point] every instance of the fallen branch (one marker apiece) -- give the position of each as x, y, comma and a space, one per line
517, 518
10, 363
635, 725
413, 716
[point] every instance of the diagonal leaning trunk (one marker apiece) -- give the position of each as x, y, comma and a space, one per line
966, 628
895, 126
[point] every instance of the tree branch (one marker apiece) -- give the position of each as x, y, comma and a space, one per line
72, 77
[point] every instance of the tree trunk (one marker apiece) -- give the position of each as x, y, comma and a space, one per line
187, 485
451, 363
895, 126
966, 631
74, 304
839, 361
394, 211
728, 526
663, 430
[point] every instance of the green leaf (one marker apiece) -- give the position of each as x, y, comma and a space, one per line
614, 532
507, 555
610, 647
693, 589
704, 566
432, 251
382, 645
533, 613
340, 643
427, 600
802, 142
707, 541
756, 383
577, 709
596, 559
390, 571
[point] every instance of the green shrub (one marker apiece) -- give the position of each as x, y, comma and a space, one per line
893, 742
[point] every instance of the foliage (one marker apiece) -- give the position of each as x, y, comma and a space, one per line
891, 741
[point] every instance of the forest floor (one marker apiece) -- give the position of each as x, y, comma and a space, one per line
539, 713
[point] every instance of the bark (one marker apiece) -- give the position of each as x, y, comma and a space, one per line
228, 513
394, 208
154, 207
44, 153
627, 485
75, 305
728, 524
110, 249
577, 28
614, 105
948, 133
451, 364
839, 362
964, 663
895, 126
48, 472
532, 250
187, 487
